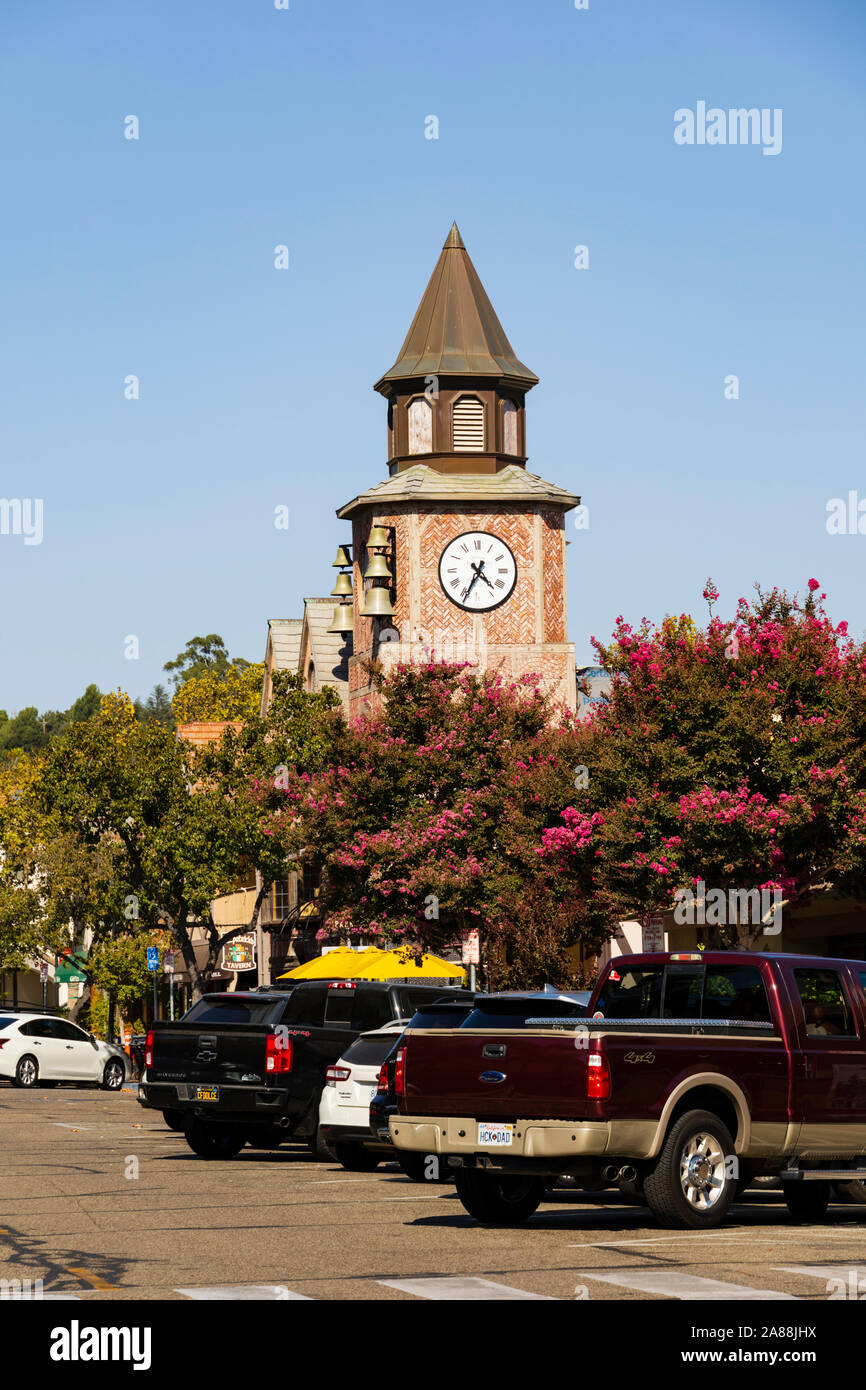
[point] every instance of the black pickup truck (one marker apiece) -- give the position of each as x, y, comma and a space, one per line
248, 1068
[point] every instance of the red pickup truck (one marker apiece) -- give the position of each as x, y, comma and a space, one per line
692, 1074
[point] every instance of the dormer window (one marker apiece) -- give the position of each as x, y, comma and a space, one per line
420, 426
468, 425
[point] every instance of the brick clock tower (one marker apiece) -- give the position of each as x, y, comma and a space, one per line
459, 555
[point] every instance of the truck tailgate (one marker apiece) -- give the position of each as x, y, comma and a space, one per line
219, 1054
493, 1075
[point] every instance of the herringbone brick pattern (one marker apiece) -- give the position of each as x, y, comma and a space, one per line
513, 626
512, 524
554, 576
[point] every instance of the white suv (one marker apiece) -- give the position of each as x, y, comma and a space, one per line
344, 1110
37, 1049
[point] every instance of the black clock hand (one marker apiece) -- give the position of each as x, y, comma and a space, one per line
479, 575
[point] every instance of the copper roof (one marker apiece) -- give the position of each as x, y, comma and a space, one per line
421, 484
455, 331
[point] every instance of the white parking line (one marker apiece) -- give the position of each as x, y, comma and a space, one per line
462, 1290
677, 1284
229, 1293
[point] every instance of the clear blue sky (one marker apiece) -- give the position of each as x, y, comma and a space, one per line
306, 127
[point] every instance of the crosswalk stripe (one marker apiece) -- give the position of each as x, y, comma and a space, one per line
243, 1292
678, 1284
459, 1289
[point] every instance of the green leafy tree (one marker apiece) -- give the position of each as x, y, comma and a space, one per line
157, 706
117, 967
234, 693
199, 656
179, 828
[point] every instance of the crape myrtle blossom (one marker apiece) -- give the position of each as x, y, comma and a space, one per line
430, 822
734, 754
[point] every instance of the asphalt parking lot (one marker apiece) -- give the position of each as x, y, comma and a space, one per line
101, 1201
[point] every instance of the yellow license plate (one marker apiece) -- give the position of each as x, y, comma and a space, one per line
206, 1093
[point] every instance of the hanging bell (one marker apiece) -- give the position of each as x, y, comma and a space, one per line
378, 537
343, 560
343, 585
343, 619
377, 604
377, 568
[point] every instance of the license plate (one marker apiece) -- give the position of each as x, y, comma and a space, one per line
207, 1093
496, 1136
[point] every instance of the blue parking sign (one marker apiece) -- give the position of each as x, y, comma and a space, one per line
153, 957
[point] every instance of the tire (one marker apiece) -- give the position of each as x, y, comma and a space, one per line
320, 1148
214, 1141
356, 1159
412, 1166
807, 1201
174, 1119
114, 1075
418, 1167
688, 1186
498, 1199
26, 1072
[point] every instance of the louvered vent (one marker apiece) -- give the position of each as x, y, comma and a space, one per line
468, 420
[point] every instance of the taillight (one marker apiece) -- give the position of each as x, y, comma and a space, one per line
597, 1077
3, 1042
148, 1051
335, 1074
382, 1083
400, 1073
278, 1053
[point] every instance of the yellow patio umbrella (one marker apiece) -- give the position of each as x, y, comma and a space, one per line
375, 964
401, 963
339, 964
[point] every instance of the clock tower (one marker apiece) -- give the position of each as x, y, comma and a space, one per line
459, 554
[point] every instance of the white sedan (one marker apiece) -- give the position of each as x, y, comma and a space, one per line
38, 1049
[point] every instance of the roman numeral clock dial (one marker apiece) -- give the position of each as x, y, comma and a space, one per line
477, 571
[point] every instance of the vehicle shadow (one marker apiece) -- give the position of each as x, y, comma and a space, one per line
613, 1212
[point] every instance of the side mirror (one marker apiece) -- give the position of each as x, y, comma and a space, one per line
93, 1038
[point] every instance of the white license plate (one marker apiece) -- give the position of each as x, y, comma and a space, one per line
495, 1136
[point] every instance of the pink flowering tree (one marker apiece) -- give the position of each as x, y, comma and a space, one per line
731, 756
429, 823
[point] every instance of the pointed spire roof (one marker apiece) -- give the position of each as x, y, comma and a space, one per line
455, 331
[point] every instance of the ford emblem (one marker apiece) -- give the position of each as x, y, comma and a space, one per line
492, 1077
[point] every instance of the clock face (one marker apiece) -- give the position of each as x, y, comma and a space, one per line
477, 571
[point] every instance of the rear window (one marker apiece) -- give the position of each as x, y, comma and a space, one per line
306, 1005
410, 1000
370, 1052
685, 990
513, 1013
5, 1021
226, 1009
339, 1006
634, 993
372, 1008
440, 1016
